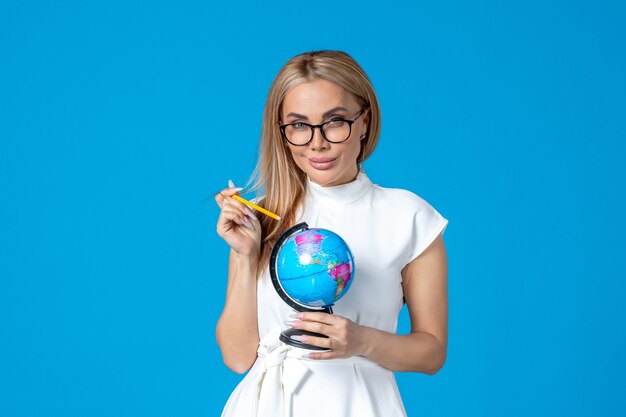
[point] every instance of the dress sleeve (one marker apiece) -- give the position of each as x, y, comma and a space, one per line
426, 224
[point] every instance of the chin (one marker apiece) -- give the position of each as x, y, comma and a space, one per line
320, 177
325, 178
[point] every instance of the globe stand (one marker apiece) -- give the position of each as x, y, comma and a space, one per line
287, 335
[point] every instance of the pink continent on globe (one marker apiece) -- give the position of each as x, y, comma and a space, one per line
343, 271
309, 242
309, 237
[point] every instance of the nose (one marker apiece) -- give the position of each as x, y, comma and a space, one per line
318, 141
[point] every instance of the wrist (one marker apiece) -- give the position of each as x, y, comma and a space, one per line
368, 341
247, 260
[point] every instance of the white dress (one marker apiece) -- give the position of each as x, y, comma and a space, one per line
385, 228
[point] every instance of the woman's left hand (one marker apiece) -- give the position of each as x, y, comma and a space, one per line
345, 337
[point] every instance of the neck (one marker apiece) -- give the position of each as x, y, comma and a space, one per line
342, 193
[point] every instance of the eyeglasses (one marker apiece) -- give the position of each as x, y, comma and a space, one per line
336, 130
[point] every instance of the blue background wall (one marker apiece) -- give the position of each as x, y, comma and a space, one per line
119, 120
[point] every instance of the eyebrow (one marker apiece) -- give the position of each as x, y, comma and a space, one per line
325, 115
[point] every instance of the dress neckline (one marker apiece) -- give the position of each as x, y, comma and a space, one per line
340, 194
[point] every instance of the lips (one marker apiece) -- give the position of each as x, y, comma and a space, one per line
322, 163
321, 160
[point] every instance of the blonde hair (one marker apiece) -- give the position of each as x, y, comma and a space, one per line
276, 171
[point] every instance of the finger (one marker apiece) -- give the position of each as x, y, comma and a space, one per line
225, 193
246, 217
230, 203
318, 317
323, 342
323, 355
230, 210
241, 206
248, 223
251, 214
312, 326
237, 223
231, 215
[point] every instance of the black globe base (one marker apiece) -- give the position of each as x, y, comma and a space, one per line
287, 337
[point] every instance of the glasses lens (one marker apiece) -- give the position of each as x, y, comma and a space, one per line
298, 133
337, 130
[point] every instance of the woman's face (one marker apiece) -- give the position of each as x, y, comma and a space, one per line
316, 102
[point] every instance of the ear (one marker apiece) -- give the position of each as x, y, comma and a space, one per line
366, 121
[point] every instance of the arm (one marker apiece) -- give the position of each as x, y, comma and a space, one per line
424, 349
425, 290
237, 332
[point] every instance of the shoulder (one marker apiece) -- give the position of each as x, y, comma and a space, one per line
412, 219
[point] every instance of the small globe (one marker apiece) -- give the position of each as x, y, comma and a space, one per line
314, 266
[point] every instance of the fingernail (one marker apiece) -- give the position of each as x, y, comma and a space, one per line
296, 316
236, 188
248, 223
250, 213
295, 323
231, 184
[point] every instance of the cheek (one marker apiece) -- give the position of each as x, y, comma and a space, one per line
296, 154
354, 150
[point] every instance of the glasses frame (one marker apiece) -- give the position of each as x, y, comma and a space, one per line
321, 128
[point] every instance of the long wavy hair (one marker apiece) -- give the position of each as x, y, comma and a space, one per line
276, 172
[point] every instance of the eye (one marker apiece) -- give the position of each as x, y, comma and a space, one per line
299, 126
336, 122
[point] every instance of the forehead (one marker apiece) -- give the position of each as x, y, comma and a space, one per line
315, 97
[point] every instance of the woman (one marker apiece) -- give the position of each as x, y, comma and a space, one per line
321, 122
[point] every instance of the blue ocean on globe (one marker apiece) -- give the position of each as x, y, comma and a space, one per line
315, 267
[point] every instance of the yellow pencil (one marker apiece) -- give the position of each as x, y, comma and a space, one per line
254, 206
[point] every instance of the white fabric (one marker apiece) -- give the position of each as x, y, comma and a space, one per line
385, 229
281, 378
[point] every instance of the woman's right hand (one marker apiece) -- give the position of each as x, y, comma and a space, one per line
238, 225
